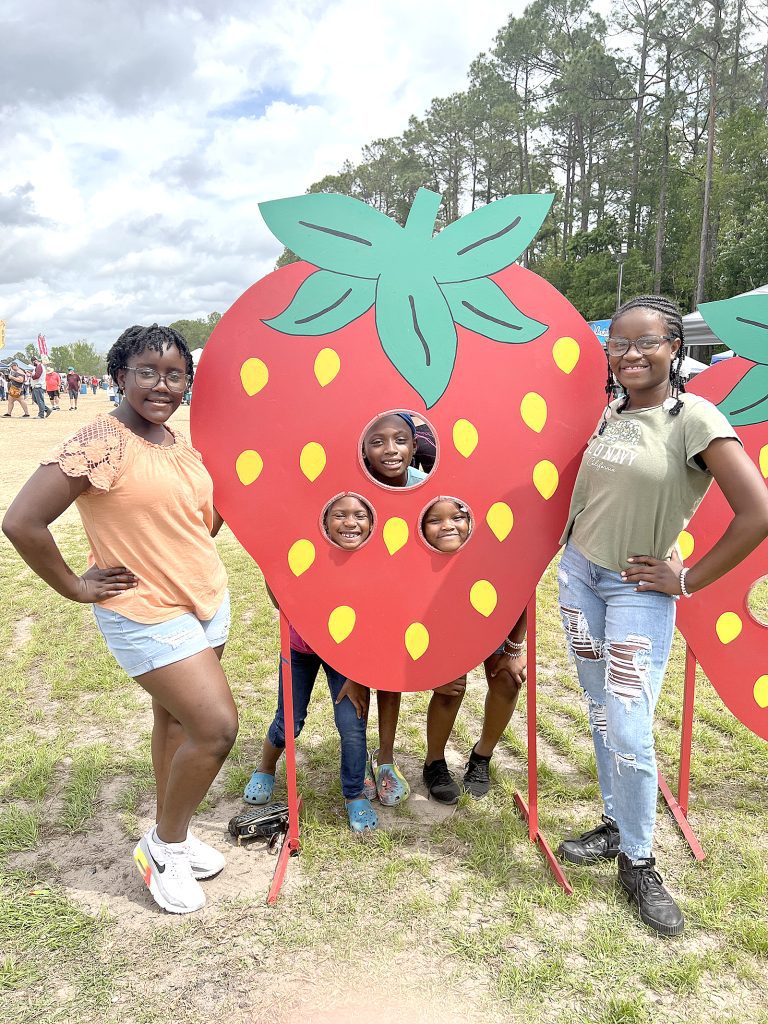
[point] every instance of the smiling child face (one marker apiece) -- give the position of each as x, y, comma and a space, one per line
388, 447
348, 522
445, 525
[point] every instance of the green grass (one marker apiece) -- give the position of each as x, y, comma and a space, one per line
466, 905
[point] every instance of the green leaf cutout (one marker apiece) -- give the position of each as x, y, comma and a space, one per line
417, 331
483, 307
488, 239
325, 303
335, 232
741, 323
747, 403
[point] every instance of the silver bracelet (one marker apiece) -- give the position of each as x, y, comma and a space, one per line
683, 591
513, 649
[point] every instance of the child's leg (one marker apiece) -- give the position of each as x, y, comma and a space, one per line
500, 701
389, 712
441, 715
352, 735
304, 668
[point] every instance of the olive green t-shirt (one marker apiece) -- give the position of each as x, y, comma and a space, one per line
639, 483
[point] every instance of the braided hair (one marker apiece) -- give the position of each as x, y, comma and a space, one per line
137, 339
672, 317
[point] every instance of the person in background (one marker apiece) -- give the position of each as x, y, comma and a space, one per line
16, 381
94, 384
38, 389
53, 387
73, 387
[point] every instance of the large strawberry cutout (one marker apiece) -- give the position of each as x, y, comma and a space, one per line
730, 644
381, 318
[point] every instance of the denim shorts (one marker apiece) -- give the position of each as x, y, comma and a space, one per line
140, 647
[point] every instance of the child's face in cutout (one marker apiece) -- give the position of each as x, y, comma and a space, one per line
445, 526
348, 522
388, 447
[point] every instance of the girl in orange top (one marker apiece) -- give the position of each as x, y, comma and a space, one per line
156, 583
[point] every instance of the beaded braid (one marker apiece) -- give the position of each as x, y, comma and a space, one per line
672, 316
135, 340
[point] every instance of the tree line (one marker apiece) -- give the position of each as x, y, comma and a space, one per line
649, 127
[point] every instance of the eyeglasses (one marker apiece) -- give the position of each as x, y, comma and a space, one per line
147, 378
645, 345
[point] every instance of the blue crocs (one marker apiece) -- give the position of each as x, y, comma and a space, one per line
259, 788
362, 817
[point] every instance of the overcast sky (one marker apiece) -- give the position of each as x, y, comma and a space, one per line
138, 137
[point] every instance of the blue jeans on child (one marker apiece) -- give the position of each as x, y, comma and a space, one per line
620, 639
304, 669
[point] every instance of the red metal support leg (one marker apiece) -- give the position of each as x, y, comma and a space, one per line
530, 810
292, 843
679, 806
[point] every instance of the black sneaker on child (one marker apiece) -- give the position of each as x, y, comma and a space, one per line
601, 843
645, 888
441, 784
477, 779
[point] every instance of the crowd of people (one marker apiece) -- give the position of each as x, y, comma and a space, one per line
17, 384
161, 602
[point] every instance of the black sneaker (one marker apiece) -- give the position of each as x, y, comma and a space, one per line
477, 779
601, 843
645, 888
441, 784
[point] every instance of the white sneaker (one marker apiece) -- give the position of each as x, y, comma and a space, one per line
205, 860
167, 872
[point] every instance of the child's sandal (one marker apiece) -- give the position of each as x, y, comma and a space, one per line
391, 784
362, 817
259, 788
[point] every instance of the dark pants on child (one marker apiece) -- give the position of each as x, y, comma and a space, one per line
304, 669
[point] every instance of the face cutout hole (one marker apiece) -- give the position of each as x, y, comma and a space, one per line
348, 521
398, 449
757, 601
446, 524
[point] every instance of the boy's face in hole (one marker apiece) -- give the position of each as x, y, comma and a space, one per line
445, 526
389, 447
348, 522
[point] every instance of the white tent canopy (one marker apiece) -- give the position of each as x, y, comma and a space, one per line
697, 332
196, 353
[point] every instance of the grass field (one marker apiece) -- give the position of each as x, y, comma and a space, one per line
438, 917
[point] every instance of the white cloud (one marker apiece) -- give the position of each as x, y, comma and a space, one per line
138, 139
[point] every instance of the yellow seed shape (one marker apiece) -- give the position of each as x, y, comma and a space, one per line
764, 461
416, 640
533, 409
312, 460
686, 544
327, 365
483, 597
341, 622
395, 534
761, 692
545, 478
728, 627
464, 437
500, 519
566, 353
254, 376
301, 556
248, 466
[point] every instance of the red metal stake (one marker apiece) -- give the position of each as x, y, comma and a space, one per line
530, 811
679, 806
292, 844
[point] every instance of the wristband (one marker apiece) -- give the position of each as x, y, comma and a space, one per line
513, 649
681, 578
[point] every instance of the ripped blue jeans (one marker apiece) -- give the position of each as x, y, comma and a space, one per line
620, 640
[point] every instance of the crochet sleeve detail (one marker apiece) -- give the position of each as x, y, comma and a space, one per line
96, 451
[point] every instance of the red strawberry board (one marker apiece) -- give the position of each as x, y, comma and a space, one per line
729, 642
287, 385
